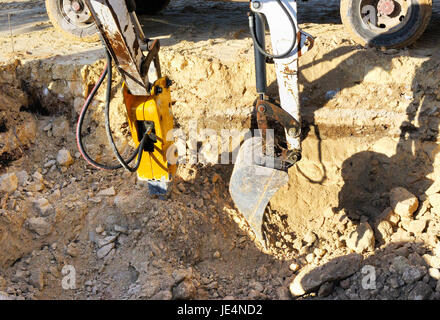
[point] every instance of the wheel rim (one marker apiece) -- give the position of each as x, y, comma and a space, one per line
385, 16
75, 12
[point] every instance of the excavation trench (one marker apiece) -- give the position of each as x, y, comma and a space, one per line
370, 123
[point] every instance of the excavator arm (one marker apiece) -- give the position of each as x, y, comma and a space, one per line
259, 171
147, 101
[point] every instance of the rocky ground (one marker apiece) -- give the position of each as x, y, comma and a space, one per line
359, 219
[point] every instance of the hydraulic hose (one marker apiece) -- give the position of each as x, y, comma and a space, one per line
107, 124
260, 47
81, 148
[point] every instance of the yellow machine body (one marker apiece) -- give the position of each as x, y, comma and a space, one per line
156, 108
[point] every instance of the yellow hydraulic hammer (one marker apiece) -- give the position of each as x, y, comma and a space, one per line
148, 104
153, 113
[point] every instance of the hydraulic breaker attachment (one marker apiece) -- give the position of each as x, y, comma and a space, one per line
152, 115
262, 163
148, 102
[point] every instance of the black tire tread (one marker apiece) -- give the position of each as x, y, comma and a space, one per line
427, 12
54, 15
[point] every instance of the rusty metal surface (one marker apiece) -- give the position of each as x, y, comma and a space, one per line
119, 34
269, 110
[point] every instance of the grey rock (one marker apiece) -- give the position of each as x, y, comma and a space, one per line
182, 274
105, 250
120, 229
60, 128
37, 279
50, 163
310, 238
20, 276
394, 282
309, 278
43, 207
8, 182
163, 295
345, 284
22, 177
184, 290
415, 259
421, 291
403, 202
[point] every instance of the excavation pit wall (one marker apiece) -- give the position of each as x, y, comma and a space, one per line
370, 123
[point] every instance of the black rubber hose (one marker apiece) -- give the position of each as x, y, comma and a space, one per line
107, 124
259, 46
80, 123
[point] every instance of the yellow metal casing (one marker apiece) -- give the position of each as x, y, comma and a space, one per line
155, 108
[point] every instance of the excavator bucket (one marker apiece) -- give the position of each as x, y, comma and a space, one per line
254, 182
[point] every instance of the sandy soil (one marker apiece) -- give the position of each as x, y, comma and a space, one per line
370, 122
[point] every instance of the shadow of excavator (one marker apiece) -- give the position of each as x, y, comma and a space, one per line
407, 160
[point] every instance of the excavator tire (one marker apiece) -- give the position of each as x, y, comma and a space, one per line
413, 22
71, 28
84, 30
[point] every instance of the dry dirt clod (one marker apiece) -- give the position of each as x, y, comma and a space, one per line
107, 192
325, 290
72, 250
361, 239
310, 238
64, 158
385, 230
40, 225
8, 182
403, 202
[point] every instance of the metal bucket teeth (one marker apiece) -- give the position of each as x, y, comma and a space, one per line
252, 185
